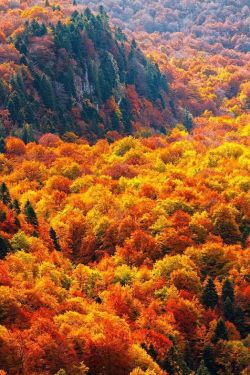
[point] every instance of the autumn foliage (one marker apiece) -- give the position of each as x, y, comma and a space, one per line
129, 254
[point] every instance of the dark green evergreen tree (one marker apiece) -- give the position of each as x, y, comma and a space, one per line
172, 106
37, 29
87, 13
220, 332
3, 92
227, 291
46, 91
3, 132
16, 206
133, 44
155, 81
14, 106
2, 216
30, 214
107, 77
228, 300
150, 350
119, 35
17, 222
240, 322
54, 239
115, 121
174, 362
228, 310
27, 134
68, 82
2, 145
126, 111
209, 359
209, 296
5, 247
4, 194
188, 120
29, 115
202, 370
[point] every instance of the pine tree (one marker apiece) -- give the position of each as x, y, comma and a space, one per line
119, 35
14, 106
174, 362
4, 247
3, 132
227, 291
17, 222
126, 111
228, 310
54, 239
30, 214
240, 322
3, 92
4, 194
220, 332
29, 114
188, 120
27, 134
133, 44
2, 145
209, 297
209, 359
46, 91
202, 370
2, 216
16, 206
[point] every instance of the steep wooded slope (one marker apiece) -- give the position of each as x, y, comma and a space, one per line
77, 75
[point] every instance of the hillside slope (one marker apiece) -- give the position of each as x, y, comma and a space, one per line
76, 75
208, 24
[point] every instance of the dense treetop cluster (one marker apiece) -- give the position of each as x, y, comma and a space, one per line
124, 188
134, 255
221, 23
